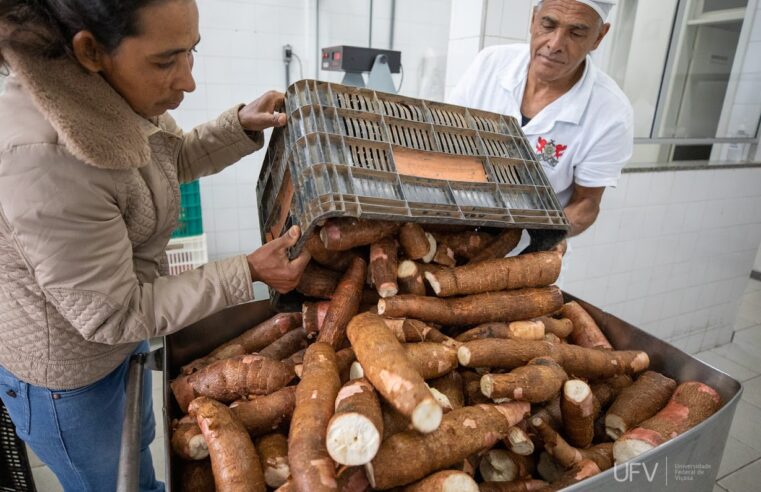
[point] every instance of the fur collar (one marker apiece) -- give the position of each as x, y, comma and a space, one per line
92, 120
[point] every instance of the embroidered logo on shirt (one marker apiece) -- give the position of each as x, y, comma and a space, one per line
549, 151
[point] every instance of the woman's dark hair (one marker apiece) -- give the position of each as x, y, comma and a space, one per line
47, 27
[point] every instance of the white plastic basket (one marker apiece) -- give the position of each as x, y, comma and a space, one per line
186, 253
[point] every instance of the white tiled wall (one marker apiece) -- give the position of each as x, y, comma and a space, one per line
240, 57
671, 251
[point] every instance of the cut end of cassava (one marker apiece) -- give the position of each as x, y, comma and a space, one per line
487, 385
388, 289
641, 362
576, 390
463, 355
498, 466
381, 307
441, 399
520, 442
627, 449
197, 447
433, 281
536, 421
299, 370
356, 371
277, 474
432, 248
614, 426
459, 482
352, 439
406, 269
370, 474
426, 417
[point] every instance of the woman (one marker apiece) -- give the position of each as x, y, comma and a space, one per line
89, 170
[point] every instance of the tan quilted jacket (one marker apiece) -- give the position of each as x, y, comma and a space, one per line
88, 199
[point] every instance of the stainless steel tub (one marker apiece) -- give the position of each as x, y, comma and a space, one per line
689, 462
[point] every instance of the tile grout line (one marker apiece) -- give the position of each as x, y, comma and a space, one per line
739, 469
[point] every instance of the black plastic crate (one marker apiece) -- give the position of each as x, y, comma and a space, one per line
15, 472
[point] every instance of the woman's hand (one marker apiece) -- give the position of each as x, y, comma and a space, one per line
263, 113
270, 263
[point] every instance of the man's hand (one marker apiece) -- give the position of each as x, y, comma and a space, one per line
270, 263
263, 113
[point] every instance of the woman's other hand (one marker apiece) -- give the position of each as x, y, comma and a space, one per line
270, 263
263, 113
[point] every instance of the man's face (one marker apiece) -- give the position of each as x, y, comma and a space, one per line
563, 32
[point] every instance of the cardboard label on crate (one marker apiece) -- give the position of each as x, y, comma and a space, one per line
439, 166
281, 209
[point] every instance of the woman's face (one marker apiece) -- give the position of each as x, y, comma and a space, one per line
152, 70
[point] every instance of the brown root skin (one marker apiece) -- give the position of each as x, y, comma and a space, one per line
393, 421
561, 328
549, 469
394, 376
526, 330
338, 261
251, 340
451, 386
577, 405
432, 360
567, 455
577, 361
412, 330
485, 330
356, 428
476, 309
317, 281
231, 379
234, 460
196, 476
444, 481
273, 454
188, 441
383, 266
296, 358
313, 315
264, 414
505, 242
444, 256
517, 272
538, 381
637, 403
287, 345
344, 305
462, 433
465, 244
585, 332
352, 479
409, 278
691, 403
414, 241
525, 485
308, 458
344, 359
348, 233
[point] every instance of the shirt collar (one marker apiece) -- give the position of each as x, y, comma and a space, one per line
569, 108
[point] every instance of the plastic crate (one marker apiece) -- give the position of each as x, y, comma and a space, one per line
190, 222
186, 253
351, 152
15, 472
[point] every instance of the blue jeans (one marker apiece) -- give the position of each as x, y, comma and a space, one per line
77, 433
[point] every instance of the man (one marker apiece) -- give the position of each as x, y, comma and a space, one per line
578, 120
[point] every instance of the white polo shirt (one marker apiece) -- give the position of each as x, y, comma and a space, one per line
585, 136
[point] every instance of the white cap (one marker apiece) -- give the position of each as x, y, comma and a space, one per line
602, 7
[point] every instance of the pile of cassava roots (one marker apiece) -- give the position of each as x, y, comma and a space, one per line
423, 360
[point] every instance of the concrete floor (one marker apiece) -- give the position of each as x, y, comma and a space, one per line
740, 470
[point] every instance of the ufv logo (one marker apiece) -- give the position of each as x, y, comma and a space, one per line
628, 472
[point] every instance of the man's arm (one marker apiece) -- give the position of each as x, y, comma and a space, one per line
583, 208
